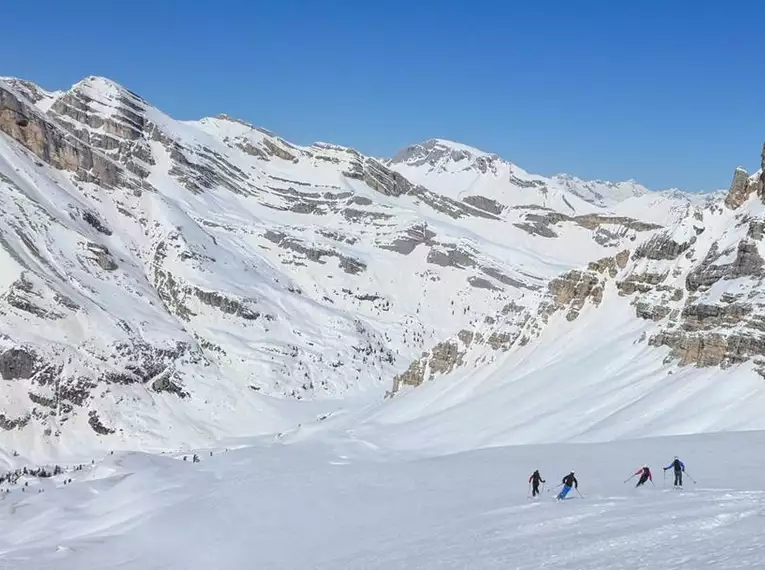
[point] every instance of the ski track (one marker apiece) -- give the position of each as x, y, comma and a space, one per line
330, 503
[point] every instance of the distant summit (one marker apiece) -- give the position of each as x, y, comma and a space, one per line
445, 156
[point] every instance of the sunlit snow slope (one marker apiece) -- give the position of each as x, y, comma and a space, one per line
344, 505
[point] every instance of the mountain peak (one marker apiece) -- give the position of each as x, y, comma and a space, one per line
446, 156
457, 146
105, 91
443, 146
103, 84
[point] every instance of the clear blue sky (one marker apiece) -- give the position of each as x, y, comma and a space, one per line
669, 92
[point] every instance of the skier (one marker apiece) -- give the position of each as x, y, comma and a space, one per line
645, 475
568, 482
678, 467
534, 480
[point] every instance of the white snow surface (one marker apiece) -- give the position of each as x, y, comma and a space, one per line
345, 503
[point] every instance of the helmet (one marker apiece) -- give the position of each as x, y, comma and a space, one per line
645, 466
572, 472
676, 457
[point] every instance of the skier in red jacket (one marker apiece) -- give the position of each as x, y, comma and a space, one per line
645, 475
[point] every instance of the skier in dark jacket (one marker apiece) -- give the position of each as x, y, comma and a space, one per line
534, 480
568, 482
678, 467
645, 475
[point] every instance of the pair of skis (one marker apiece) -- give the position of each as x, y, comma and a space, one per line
564, 498
531, 496
635, 475
680, 486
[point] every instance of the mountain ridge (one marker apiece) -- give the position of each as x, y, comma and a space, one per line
169, 283
105, 82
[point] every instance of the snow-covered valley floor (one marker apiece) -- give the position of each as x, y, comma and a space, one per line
343, 503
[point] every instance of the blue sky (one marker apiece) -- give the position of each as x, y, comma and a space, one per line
666, 92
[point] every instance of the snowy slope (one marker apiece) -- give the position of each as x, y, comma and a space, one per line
594, 379
600, 359
296, 507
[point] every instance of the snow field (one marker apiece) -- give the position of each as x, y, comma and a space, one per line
343, 503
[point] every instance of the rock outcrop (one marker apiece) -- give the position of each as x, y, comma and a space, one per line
570, 291
662, 246
441, 359
17, 363
607, 230
743, 186
51, 144
747, 263
740, 189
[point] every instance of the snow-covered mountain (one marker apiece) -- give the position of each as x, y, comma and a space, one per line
167, 283
464, 172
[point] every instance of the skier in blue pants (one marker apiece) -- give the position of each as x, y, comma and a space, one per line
678, 467
568, 482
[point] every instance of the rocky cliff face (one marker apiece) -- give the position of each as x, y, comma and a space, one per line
21, 122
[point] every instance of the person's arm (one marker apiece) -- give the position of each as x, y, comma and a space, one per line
682, 466
576, 483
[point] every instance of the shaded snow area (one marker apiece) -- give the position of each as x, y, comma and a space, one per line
350, 504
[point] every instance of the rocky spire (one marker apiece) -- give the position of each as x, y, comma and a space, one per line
740, 189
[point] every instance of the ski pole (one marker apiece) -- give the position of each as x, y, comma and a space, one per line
689, 477
626, 480
578, 491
